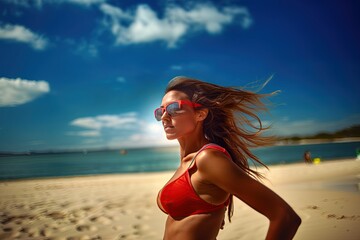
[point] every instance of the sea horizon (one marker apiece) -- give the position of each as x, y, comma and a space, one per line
156, 159
175, 146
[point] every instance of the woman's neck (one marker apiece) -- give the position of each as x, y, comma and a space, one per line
191, 145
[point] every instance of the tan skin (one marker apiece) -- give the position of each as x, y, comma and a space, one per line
209, 181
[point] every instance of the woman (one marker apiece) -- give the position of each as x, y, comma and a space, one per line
213, 127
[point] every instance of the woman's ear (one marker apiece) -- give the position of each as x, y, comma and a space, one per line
201, 114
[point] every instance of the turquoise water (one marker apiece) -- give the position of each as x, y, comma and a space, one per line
149, 160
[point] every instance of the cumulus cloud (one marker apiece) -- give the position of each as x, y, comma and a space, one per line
122, 121
122, 130
143, 25
82, 2
19, 91
149, 135
89, 133
20, 33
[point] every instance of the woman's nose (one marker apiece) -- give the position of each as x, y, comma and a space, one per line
165, 115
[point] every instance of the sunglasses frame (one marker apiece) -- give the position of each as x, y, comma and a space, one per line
180, 102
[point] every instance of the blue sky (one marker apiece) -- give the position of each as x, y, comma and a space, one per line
79, 74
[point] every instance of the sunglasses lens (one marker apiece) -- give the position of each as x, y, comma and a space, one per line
158, 113
173, 108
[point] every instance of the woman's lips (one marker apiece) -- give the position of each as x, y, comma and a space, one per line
168, 128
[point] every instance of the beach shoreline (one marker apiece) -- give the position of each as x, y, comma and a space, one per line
308, 141
123, 206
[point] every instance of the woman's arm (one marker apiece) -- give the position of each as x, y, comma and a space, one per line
215, 167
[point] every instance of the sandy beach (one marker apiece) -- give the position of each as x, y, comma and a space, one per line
326, 196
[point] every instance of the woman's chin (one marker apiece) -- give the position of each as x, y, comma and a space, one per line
171, 137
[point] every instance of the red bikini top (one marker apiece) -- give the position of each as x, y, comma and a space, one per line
179, 199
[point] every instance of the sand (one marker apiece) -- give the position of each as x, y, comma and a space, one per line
326, 196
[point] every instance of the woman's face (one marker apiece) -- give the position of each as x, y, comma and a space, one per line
183, 123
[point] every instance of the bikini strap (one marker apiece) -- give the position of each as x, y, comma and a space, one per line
209, 145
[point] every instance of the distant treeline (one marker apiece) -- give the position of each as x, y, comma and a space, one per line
349, 132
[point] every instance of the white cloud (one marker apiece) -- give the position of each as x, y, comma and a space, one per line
114, 12
176, 67
123, 121
20, 33
19, 91
208, 16
120, 79
90, 133
143, 25
83, 2
123, 130
150, 135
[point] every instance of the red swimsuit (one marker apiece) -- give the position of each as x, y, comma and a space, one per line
179, 199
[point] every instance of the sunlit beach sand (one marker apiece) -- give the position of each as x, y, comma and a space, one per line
326, 196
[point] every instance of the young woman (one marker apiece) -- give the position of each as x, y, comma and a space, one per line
214, 127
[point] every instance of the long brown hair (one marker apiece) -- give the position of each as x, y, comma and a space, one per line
230, 121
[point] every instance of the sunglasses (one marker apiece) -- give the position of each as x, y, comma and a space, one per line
174, 108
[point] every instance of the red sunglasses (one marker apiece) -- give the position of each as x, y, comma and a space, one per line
174, 108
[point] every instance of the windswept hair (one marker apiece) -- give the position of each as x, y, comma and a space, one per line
232, 121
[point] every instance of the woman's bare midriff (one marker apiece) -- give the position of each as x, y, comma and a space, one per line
195, 227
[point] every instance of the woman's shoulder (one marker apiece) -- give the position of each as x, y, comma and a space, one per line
212, 154
215, 149
213, 164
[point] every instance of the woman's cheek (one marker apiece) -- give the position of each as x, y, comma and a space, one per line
184, 126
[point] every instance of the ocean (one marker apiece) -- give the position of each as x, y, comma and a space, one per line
150, 160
